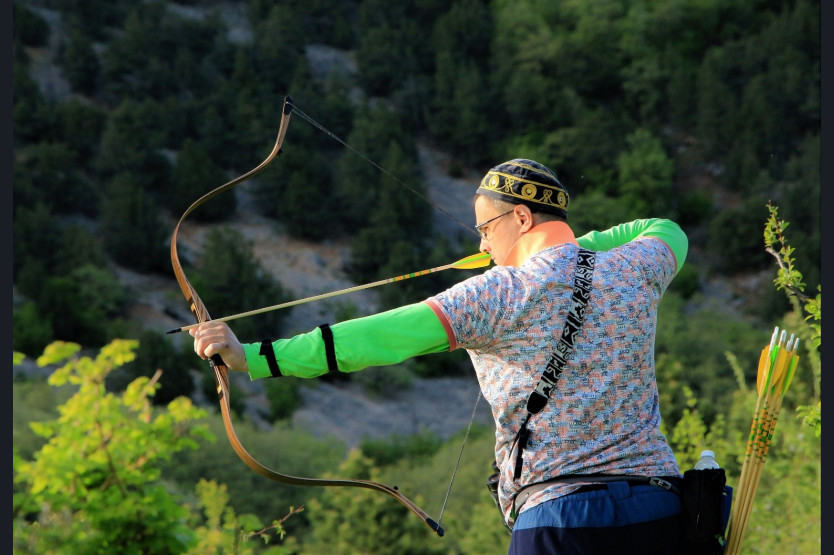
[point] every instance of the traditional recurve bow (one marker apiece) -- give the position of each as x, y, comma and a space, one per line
221, 371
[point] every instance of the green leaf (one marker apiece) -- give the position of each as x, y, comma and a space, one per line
58, 352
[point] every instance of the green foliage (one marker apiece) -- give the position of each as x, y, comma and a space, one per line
160, 54
812, 416
155, 353
385, 382
693, 209
790, 280
286, 449
92, 17
283, 396
461, 99
34, 401
645, 175
31, 330
129, 145
469, 515
686, 283
36, 235
74, 254
90, 301
302, 201
594, 210
79, 62
132, 227
392, 449
461, 39
376, 133
733, 233
391, 46
277, 44
29, 27
352, 520
226, 532
583, 151
80, 126
47, 173
208, 387
95, 484
689, 351
32, 117
194, 175
231, 280
690, 435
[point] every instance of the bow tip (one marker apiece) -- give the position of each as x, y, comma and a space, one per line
436, 527
175, 330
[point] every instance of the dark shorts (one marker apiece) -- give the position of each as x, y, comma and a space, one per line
608, 518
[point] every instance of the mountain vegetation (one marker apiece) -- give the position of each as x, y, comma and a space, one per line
707, 112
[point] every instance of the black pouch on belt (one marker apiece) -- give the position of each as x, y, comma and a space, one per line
704, 512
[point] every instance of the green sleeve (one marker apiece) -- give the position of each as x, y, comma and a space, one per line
666, 230
379, 340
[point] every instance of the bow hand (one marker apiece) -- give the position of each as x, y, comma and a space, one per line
215, 340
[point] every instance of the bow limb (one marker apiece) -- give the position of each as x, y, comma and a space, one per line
221, 371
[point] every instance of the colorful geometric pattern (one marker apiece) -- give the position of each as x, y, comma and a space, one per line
604, 417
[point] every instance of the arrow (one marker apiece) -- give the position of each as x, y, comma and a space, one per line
777, 366
478, 260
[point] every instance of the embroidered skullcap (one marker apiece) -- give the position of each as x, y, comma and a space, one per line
522, 181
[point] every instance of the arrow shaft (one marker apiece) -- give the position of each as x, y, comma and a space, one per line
337, 293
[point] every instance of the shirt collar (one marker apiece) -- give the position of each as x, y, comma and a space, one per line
540, 237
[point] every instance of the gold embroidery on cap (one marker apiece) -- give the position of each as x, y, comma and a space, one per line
504, 184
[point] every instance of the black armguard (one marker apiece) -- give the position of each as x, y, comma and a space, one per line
329, 348
268, 352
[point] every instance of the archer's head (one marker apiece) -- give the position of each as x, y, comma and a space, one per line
522, 181
512, 199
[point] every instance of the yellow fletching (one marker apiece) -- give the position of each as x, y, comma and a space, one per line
478, 260
780, 370
791, 372
763, 369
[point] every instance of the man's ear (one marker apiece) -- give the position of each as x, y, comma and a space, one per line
524, 213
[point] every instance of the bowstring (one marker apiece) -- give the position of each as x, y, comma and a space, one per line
326, 131
457, 463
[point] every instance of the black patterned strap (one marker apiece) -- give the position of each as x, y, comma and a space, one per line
585, 260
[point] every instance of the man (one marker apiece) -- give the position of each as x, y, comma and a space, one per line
601, 415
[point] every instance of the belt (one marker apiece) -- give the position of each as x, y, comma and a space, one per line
590, 479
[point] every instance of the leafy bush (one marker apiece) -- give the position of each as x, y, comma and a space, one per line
95, 485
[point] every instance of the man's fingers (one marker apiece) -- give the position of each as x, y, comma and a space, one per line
216, 338
215, 348
209, 340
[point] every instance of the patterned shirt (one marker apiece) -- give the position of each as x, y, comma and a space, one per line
603, 415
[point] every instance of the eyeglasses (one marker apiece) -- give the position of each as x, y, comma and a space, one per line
479, 227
